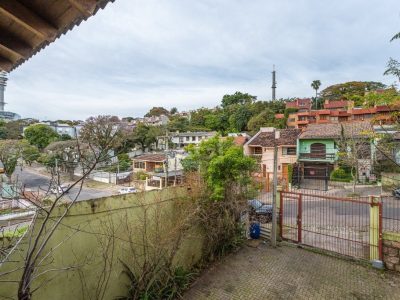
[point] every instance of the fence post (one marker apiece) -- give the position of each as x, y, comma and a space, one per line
279, 208
375, 230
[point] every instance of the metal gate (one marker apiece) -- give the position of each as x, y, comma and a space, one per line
348, 226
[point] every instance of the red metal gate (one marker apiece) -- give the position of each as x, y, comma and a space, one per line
341, 225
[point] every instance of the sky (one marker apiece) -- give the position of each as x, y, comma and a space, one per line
136, 54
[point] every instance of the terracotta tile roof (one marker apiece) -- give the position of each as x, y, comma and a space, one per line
336, 104
382, 108
266, 139
334, 130
156, 157
240, 140
279, 116
363, 111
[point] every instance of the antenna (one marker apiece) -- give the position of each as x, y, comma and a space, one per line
273, 83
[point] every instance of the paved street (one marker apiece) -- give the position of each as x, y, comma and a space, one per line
34, 180
291, 273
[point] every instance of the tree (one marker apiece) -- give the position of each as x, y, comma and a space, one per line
177, 123
157, 111
145, 135
65, 137
66, 153
30, 153
316, 85
265, 118
237, 98
103, 133
238, 120
173, 111
10, 153
350, 89
40, 135
354, 151
223, 166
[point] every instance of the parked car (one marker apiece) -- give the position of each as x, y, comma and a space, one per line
59, 189
396, 193
127, 190
260, 211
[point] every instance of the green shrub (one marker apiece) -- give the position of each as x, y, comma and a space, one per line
340, 175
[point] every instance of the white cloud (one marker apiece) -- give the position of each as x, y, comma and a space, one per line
140, 53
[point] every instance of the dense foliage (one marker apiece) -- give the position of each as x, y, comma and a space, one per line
353, 90
40, 135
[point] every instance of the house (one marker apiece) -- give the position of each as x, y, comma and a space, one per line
182, 139
60, 128
261, 147
318, 148
300, 104
162, 169
338, 112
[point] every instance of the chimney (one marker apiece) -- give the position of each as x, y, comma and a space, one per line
3, 83
277, 134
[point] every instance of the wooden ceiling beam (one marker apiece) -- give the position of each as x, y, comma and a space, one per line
5, 64
28, 19
14, 45
85, 7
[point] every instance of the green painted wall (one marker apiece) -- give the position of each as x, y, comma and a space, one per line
304, 147
81, 240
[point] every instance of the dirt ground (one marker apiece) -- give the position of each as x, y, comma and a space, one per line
291, 273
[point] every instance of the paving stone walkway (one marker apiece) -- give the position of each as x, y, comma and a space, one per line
292, 273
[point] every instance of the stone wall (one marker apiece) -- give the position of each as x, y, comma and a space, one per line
391, 251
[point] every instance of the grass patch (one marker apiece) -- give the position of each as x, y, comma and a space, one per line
15, 233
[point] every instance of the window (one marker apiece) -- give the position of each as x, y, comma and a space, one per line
257, 150
318, 150
193, 138
187, 139
289, 151
322, 117
139, 165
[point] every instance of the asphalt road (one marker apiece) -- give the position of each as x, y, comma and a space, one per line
33, 180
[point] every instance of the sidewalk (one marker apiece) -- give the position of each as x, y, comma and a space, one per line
291, 273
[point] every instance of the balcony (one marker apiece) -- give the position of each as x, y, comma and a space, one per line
323, 157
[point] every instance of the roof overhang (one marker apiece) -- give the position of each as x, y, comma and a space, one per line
28, 26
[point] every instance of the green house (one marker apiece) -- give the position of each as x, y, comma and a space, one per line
317, 149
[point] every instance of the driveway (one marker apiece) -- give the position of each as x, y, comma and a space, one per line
292, 273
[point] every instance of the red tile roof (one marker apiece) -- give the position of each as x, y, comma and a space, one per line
336, 104
279, 116
240, 140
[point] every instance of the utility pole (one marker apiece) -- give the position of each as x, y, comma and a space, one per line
273, 84
274, 191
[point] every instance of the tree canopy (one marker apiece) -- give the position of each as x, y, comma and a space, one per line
40, 135
350, 90
157, 111
222, 164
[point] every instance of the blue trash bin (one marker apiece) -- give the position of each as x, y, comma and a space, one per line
255, 230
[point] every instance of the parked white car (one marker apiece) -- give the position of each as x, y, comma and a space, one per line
127, 190
59, 189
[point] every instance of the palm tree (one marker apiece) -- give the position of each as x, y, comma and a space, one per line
315, 85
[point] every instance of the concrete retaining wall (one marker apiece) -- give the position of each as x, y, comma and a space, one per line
391, 251
82, 241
